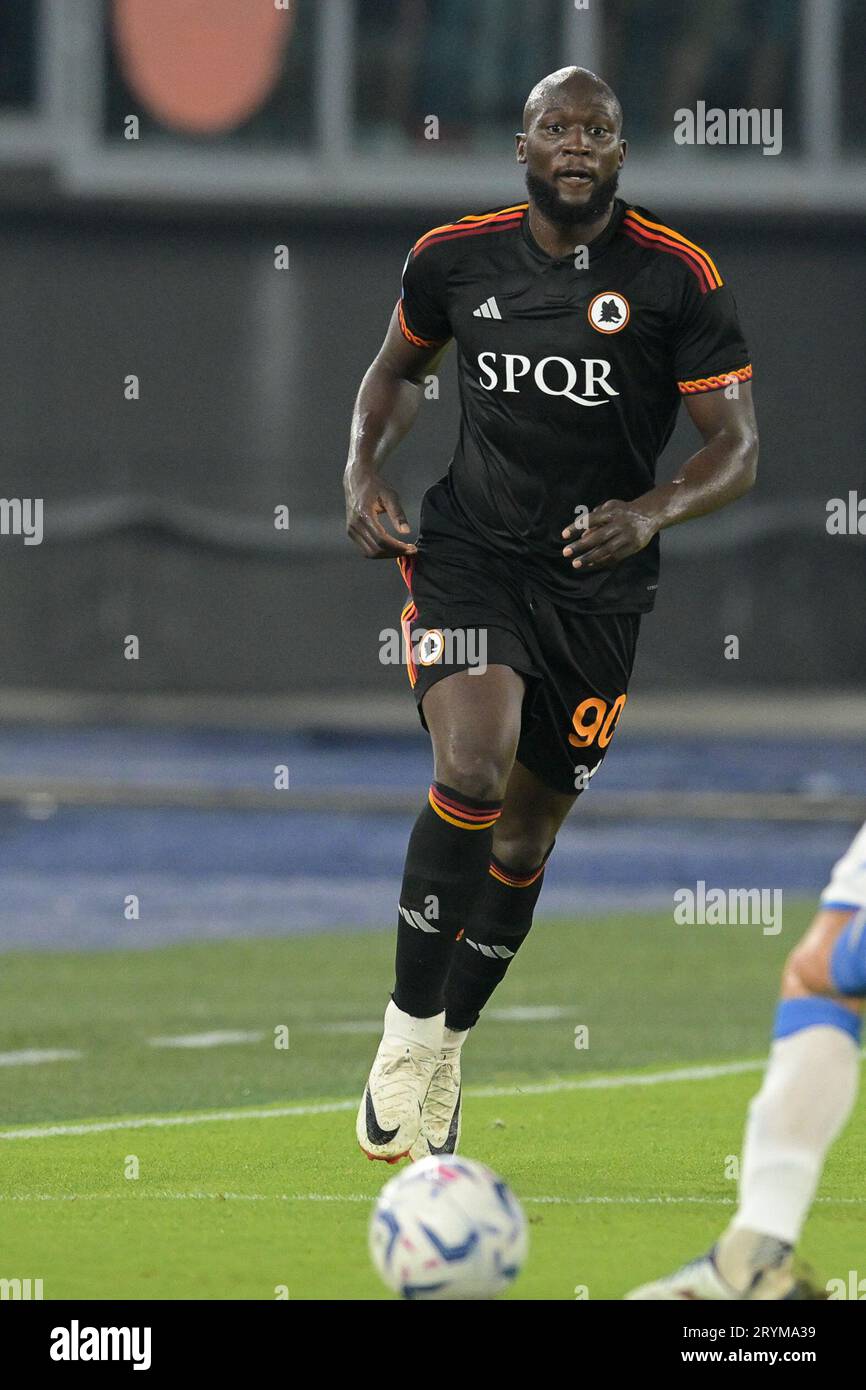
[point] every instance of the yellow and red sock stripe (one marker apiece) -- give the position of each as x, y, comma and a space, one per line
514, 880
715, 383
465, 817
661, 238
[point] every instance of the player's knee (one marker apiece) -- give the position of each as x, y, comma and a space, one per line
831, 958
481, 774
808, 967
523, 850
805, 971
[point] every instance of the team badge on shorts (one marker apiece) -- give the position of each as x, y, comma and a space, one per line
608, 312
431, 647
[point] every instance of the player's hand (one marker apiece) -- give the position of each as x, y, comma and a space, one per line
609, 534
367, 500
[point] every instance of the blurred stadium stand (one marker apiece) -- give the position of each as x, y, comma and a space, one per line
155, 256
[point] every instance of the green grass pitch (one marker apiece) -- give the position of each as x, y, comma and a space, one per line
623, 1174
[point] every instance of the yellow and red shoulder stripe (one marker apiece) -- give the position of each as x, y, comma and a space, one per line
473, 224
658, 237
715, 383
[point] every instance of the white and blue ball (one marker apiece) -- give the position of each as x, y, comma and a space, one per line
448, 1228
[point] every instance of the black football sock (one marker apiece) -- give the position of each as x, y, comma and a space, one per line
444, 879
490, 942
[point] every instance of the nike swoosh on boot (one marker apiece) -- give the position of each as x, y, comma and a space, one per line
375, 1133
451, 1141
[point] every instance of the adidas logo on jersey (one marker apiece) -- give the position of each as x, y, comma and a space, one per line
488, 310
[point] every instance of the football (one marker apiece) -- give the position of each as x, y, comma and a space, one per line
448, 1228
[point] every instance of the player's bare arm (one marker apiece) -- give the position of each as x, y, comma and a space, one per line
723, 470
385, 410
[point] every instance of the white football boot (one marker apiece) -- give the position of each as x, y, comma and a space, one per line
700, 1279
697, 1279
441, 1112
389, 1117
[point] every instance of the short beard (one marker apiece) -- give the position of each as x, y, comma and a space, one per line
546, 198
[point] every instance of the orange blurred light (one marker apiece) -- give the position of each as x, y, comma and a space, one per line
202, 66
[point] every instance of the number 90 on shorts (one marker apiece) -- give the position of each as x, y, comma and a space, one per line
594, 722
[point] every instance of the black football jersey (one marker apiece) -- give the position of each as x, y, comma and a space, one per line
571, 372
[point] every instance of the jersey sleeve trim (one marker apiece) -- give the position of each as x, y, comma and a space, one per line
413, 338
715, 383
657, 236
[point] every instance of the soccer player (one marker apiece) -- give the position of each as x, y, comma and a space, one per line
580, 323
808, 1093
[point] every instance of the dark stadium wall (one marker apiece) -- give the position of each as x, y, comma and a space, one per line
159, 510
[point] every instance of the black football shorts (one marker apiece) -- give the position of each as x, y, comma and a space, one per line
468, 610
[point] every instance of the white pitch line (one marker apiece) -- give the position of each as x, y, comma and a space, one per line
363, 1197
609, 1083
219, 1038
235, 1037
544, 1088
184, 1197
517, 1013
528, 1013
33, 1056
169, 1121
360, 1025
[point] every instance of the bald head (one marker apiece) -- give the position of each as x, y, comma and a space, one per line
571, 83
573, 150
